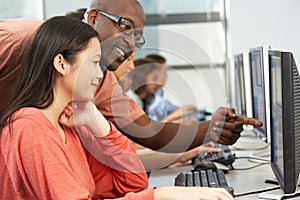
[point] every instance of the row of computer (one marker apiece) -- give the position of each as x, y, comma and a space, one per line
264, 83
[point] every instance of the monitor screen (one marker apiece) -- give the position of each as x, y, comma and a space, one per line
285, 119
260, 90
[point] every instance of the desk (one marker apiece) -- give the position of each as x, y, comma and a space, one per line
243, 181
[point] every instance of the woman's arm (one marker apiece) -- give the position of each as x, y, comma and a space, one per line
156, 160
111, 156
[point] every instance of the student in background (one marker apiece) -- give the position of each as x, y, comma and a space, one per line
55, 144
163, 110
145, 80
119, 39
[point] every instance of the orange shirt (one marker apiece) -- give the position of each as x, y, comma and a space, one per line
36, 164
15, 35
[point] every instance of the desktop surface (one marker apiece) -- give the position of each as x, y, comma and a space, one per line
243, 181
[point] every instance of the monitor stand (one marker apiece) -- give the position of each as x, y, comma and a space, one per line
277, 194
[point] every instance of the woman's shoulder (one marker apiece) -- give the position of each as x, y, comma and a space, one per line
29, 113
30, 117
29, 125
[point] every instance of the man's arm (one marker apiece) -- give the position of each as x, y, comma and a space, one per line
224, 127
132, 121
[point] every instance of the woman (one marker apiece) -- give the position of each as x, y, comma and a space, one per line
54, 143
43, 157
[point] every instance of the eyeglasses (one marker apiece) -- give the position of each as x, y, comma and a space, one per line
126, 27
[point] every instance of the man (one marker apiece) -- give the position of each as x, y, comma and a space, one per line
121, 29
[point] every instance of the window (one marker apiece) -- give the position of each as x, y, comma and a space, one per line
192, 36
186, 32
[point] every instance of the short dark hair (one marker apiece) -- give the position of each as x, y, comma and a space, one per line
142, 68
77, 14
157, 58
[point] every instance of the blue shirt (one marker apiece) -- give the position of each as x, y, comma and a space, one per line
160, 107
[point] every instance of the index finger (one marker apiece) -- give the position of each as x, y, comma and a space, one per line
249, 121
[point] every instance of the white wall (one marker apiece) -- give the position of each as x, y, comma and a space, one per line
60, 7
260, 22
21, 9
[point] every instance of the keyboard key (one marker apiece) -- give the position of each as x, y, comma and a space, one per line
205, 178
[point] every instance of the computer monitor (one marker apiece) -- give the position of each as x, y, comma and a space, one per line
285, 122
230, 82
285, 119
243, 103
260, 90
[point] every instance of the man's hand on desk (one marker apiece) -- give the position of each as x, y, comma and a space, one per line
226, 127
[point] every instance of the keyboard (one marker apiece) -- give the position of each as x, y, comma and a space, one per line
225, 156
204, 178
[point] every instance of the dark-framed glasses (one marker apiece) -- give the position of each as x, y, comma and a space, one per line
126, 27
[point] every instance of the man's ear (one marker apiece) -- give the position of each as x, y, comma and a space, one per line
59, 64
91, 18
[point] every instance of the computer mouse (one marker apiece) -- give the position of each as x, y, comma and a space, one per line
210, 165
204, 166
222, 167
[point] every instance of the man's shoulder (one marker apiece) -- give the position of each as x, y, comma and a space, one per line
19, 27
14, 36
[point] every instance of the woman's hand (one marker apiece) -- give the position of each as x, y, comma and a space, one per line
77, 114
188, 155
85, 114
191, 193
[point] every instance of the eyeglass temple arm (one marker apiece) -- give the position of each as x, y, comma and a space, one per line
111, 16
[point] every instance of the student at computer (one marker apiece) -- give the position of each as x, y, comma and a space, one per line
118, 43
146, 80
160, 108
55, 144
163, 109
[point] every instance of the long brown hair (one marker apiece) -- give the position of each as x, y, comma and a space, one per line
58, 35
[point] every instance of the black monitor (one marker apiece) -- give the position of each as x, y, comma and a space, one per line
285, 119
285, 123
260, 90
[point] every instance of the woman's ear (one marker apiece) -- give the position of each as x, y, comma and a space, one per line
91, 18
59, 64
